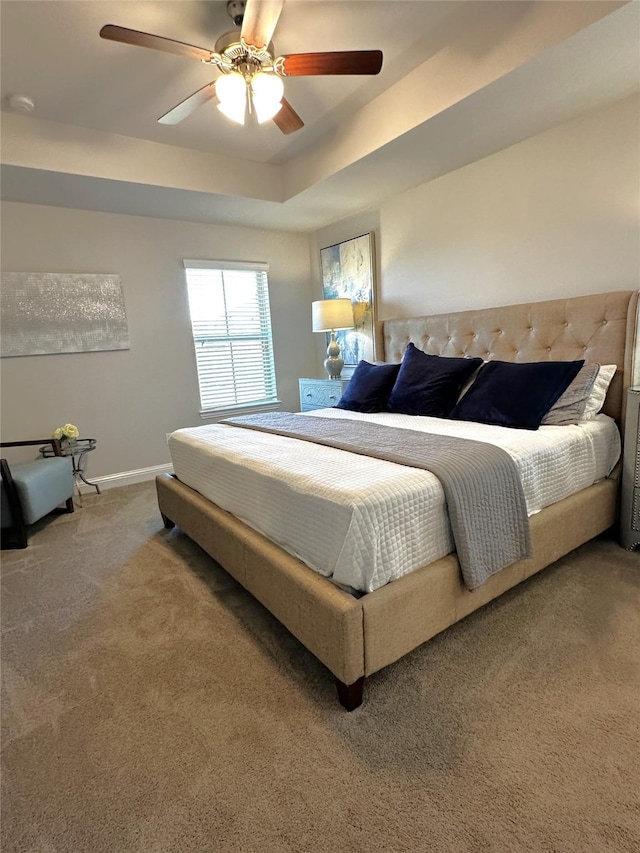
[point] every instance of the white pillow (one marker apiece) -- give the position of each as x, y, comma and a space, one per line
599, 391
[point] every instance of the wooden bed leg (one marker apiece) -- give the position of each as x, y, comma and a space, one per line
167, 521
350, 695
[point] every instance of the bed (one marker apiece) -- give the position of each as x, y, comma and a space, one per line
357, 635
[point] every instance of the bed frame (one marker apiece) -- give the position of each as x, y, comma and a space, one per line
355, 637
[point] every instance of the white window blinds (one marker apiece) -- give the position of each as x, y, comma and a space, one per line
231, 324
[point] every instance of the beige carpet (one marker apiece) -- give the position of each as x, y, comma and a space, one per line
149, 704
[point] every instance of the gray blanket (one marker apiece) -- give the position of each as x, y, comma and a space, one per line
485, 500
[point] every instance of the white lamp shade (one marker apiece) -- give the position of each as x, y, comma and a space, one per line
330, 314
231, 90
267, 91
234, 111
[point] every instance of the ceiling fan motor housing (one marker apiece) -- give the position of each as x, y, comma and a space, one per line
232, 54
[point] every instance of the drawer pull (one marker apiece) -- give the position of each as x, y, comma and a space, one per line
309, 394
332, 396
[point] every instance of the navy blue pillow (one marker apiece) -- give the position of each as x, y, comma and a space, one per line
516, 395
369, 387
429, 384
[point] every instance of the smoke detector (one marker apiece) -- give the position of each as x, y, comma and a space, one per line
21, 103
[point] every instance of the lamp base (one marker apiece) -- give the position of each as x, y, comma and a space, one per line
333, 366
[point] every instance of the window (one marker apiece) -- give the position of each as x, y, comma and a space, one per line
231, 324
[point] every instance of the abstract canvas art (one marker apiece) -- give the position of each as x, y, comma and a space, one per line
51, 313
347, 272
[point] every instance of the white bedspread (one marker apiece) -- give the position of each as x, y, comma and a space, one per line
362, 521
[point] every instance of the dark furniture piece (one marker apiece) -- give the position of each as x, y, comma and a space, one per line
630, 502
31, 490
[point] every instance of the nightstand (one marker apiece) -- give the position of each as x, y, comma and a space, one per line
630, 501
320, 393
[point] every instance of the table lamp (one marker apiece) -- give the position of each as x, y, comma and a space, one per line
327, 316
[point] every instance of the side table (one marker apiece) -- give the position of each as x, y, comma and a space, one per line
320, 393
77, 449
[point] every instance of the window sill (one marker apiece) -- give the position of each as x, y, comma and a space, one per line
219, 414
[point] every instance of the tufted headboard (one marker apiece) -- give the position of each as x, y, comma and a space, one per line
600, 328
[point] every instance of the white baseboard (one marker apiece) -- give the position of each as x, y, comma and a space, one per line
127, 478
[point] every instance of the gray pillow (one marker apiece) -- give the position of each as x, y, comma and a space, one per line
570, 407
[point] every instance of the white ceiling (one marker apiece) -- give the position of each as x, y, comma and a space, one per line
460, 80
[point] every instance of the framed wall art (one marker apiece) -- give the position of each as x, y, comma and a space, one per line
347, 272
51, 313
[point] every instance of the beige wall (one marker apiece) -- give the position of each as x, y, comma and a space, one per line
555, 215
129, 400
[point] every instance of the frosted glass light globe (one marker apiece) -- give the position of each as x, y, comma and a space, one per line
267, 92
231, 90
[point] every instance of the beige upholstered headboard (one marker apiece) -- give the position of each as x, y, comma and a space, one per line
600, 328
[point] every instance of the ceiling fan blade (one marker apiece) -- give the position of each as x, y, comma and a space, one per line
259, 21
338, 62
287, 119
126, 36
189, 105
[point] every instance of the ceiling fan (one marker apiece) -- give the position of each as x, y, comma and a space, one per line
251, 75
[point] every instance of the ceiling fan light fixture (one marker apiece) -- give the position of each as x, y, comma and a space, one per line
231, 90
250, 70
265, 111
267, 86
234, 111
267, 92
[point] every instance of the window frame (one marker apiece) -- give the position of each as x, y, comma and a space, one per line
212, 412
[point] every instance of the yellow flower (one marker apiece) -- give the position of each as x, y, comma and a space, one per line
68, 431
